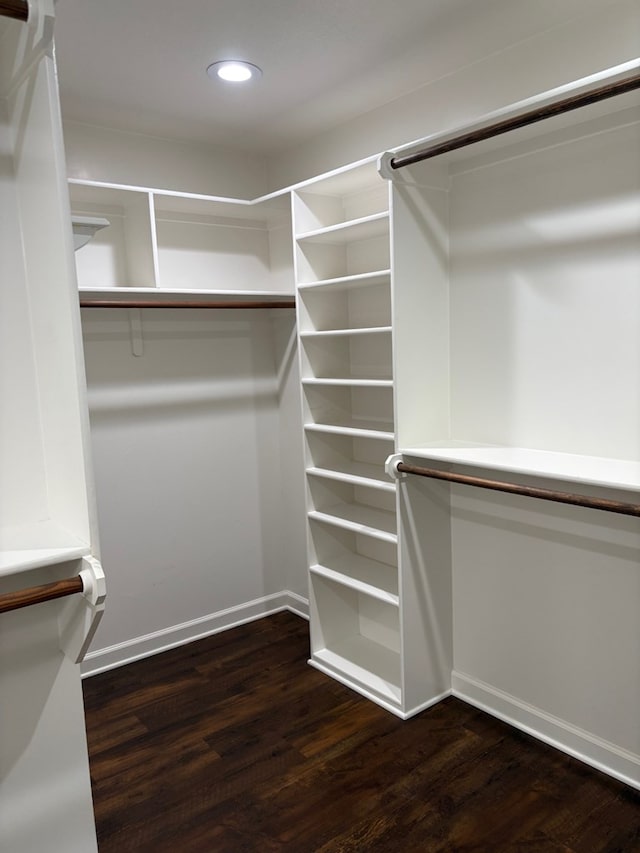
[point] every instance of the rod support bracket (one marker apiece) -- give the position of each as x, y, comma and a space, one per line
80, 616
391, 467
385, 169
95, 588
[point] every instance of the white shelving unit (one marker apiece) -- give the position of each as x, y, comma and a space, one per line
531, 361
516, 327
359, 626
183, 245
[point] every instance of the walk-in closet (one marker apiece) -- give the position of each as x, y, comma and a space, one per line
384, 379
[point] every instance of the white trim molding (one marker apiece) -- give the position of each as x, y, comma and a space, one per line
580, 744
137, 648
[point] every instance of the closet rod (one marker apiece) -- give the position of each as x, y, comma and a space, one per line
574, 102
18, 9
126, 303
38, 594
527, 491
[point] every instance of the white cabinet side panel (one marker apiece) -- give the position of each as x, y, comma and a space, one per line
45, 789
420, 313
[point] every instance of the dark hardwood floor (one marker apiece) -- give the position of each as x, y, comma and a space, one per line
233, 743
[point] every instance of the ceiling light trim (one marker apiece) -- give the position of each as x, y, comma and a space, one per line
234, 71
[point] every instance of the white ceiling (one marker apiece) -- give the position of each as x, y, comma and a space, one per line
141, 64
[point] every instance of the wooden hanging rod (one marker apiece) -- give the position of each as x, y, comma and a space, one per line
38, 594
527, 491
176, 303
18, 9
574, 102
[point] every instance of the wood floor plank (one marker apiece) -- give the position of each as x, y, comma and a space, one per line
233, 743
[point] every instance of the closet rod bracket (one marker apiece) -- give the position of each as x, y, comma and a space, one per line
391, 467
80, 616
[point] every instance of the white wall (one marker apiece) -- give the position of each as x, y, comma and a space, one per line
606, 36
115, 156
195, 513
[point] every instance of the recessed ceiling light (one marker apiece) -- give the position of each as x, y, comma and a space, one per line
234, 71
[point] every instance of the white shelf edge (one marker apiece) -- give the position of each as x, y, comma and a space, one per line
106, 185
356, 584
355, 527
38, 545
357, 280
363, 383
335, 333
343, 227
355, 479
362, 432
575, 468
353, 673
158, 294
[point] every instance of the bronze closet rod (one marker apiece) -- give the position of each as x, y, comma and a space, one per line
527, 491
125, 303
38, 594
18, 9
574, 102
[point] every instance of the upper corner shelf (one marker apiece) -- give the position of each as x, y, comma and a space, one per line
173, 243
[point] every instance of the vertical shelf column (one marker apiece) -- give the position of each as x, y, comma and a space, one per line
342, 264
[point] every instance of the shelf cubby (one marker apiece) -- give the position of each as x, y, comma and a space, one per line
212, 244
322, 261
356, 637
360, 562
123, 253
352, 195
353, 507
351, 410
348, 356
349, 307
353, 459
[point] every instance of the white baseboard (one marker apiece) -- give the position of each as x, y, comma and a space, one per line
137, 648
594, 751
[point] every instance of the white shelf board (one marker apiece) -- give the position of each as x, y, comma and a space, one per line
361, 661
362, 574
335, 333
591, 470
348, 282
363, 228
363, 383
377, 523
355, 427
160, 295
358, 473
32, 546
